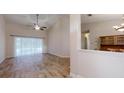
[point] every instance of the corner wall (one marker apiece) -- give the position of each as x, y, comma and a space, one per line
75, 29
2, 38
58, 38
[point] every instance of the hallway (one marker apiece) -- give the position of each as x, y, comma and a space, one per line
35, 66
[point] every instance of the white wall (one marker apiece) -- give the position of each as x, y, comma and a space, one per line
97, 29
2, 38
92, 63
100, 64
75, 29
58, 37
16, 29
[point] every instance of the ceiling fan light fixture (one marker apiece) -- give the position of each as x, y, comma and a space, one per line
115, 27
37, 27
120, 28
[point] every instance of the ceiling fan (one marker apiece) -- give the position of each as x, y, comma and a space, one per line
36, 25
120, 27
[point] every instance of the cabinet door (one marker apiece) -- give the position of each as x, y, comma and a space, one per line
108, 40
120, 40
103, 40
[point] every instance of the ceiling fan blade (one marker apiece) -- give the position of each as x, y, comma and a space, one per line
41, 29
44, 27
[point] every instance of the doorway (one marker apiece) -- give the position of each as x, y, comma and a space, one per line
85, 41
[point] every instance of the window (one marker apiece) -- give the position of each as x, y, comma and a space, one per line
28, 46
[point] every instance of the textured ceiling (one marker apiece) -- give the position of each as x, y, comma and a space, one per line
100, 17
28, 19
50, 19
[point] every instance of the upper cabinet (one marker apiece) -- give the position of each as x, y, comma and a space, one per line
112, 43
119, 40
112, 40
107, 40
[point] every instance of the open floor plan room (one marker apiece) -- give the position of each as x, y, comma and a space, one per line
61, 45
34, 46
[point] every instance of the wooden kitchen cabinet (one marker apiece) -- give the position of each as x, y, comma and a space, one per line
115, 42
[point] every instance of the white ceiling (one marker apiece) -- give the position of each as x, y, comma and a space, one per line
100, 17
50, 19
28, 19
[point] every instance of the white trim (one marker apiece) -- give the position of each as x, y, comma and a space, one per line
76, 75
59, 55
2, 60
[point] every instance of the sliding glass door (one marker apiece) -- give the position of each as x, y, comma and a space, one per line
28, 46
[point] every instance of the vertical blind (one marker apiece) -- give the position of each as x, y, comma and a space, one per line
28, 46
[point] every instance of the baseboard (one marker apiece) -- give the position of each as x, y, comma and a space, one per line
76, 75
10, 57
64, 56
59, 55
3, 60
